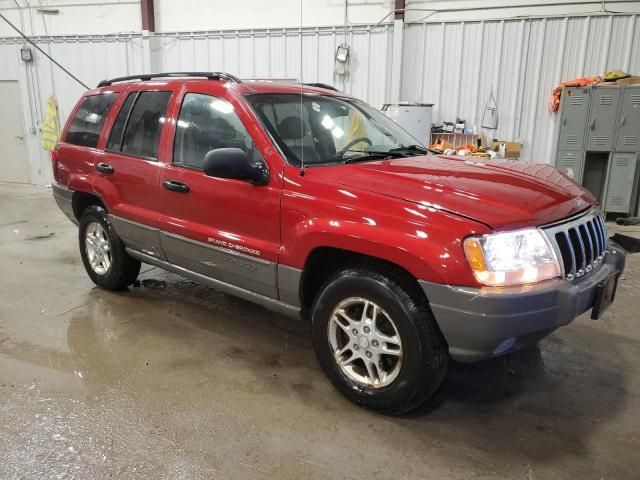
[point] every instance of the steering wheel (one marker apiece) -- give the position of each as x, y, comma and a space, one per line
356, 141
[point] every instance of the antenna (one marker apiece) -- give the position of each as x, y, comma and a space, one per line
301, 106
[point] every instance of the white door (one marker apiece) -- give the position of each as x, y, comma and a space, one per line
14, 166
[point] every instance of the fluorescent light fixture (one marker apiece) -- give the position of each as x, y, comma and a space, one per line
48, 11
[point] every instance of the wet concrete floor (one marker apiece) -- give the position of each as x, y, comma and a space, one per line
174, 380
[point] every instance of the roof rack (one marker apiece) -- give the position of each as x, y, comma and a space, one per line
322, 85
149, 76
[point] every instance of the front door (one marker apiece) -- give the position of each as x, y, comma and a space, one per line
14, 166
223, 228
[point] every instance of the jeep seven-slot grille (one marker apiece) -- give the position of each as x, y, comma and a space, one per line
581, 243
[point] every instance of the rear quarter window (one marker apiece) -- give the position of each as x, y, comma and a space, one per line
89, 119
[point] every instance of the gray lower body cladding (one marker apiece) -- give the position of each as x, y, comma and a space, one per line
479, 323
267, 302
267, 283
64, 199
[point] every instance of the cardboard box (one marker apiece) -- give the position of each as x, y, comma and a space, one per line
624, 82
511, 149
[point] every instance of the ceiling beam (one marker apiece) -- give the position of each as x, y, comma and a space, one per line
399, 8
148, 15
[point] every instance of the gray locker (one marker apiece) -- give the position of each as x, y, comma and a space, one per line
571, 163
622, 172
574, 110
602, 119
629, 123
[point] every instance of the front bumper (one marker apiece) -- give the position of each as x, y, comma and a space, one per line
479, 323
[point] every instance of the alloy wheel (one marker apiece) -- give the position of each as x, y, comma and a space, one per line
365, 342
98, 248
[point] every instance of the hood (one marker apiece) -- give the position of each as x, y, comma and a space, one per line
502, 194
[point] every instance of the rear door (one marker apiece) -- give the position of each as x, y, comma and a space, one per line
223, 228
128, 169
82, 135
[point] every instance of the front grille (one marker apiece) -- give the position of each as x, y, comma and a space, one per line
580, 242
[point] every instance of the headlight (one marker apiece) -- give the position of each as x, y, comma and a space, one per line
512, 258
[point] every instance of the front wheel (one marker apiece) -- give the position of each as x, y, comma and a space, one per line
103, 253
377, 341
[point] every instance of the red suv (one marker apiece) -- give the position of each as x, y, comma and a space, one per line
315, 205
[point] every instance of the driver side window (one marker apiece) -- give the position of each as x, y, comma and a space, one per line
206, 123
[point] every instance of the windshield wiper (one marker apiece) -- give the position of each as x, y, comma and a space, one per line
368, 155
371, 156
414, 148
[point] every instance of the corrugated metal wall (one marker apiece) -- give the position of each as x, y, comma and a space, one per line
91, 59
455, 65
276, 54
458, 65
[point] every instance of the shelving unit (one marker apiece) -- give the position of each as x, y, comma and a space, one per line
458, 139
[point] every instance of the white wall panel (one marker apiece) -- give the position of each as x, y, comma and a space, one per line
457, 65
454, 64
91, 59
276, 54
72, 17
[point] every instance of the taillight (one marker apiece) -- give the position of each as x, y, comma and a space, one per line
54, 163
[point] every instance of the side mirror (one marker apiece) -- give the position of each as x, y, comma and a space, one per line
235, 164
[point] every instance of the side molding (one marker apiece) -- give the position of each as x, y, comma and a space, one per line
138, 236
270, 303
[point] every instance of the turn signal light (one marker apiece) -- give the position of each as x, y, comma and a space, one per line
475, 255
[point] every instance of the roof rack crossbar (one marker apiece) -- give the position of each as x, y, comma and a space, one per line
149, 76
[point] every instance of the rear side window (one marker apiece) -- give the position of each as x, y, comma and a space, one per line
87, 124
142, 130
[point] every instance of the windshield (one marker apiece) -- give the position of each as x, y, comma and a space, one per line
324, 129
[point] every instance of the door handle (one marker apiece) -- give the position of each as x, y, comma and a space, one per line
19, 137
176, 186
104, 168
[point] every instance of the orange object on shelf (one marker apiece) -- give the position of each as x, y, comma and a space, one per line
554, 101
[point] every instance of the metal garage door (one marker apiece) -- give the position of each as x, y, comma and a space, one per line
14, 166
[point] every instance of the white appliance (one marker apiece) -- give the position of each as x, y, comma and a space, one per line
415, 118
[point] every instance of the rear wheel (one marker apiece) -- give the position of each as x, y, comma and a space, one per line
377, 341
103, 253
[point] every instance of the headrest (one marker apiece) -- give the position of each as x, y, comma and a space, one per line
221, 129
292, 128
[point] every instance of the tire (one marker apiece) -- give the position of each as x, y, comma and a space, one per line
113, 268
415, 367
